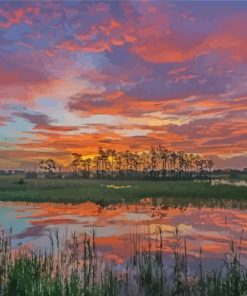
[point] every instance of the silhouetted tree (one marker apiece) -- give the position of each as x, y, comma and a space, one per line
76, 161
48, 166
157, 162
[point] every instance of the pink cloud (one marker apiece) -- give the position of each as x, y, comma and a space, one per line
175, 47
17, 16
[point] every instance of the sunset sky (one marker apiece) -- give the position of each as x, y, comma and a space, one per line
123, 75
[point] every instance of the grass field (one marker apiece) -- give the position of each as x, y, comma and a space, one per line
109, 191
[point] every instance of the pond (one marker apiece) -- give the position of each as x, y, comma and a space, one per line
212, 229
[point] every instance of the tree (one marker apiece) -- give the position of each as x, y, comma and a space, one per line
144, 159
103, 160
173, 160
127, 160
154, 158
119, 162
181, 162
48, 166
76, 161
164, 156
210, 164
86, 164
157, 162
111, 155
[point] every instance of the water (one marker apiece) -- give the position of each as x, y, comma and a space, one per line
212, 229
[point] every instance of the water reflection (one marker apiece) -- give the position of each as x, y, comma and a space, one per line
212, 229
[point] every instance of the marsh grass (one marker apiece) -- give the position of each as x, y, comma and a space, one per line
71, 270
79, 190
74, 268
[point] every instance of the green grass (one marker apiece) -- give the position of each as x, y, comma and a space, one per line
80, 190
70, 271
76, 270
243, 177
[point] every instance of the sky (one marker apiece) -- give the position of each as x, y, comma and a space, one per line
76, 75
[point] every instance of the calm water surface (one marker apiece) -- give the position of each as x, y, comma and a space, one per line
212, 229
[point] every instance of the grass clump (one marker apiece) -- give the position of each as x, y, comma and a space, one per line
65, 271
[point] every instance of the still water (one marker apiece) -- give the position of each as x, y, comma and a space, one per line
212, 229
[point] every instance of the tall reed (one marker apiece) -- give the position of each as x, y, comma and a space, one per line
73, 267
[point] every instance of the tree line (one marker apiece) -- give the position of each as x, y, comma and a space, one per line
157, 162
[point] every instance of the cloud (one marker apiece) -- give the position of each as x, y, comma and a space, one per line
4, 120
23, 81
176, 45
237, 162
126, 74
14, 72
35, 118
44, 122
17, 15
112, 103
